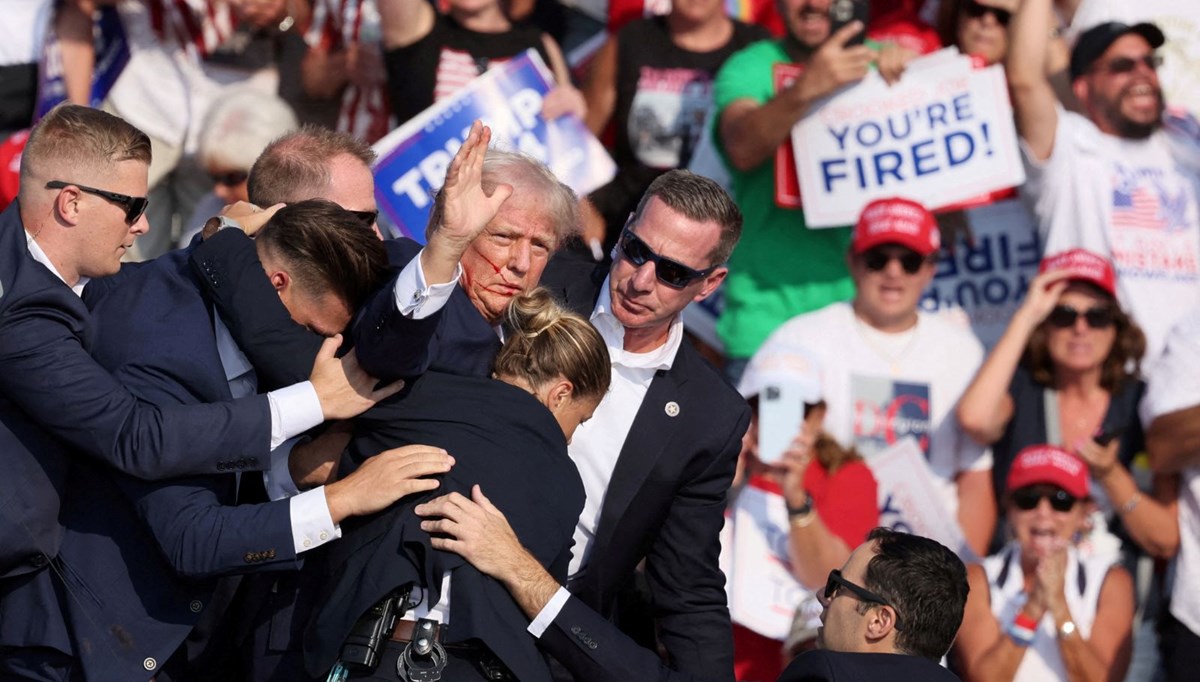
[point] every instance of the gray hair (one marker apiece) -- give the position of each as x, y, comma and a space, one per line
239, 126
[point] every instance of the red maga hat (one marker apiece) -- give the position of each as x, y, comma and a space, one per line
1084, 266
896, 221
1048, 464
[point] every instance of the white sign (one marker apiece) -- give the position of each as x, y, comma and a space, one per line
941, 135
908, 500
763, 594
988, 277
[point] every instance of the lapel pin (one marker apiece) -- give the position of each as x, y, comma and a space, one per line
672, 409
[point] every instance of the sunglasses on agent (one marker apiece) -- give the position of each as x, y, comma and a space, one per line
671, 273
134, 206
1122, 65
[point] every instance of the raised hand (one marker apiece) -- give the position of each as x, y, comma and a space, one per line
835, 64
463, 208
343, 387
1044, 292
385, 478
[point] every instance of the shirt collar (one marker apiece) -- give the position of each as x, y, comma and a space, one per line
613, 333
40, 256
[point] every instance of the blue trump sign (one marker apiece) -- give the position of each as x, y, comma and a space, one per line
414, 157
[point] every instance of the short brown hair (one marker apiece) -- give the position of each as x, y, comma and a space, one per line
327, 250
80, 137
702, 200
1124, 361
545, 341
295, 167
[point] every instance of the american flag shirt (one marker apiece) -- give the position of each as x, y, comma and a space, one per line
336, 24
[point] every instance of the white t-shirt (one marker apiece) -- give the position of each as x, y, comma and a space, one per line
1134, 201
880, 387
1173, 385
23, 30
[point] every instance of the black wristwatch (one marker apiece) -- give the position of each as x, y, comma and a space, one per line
802, 510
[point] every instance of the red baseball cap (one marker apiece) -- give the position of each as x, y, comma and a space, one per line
10, 167
1084, 266
1049, 464
896, 221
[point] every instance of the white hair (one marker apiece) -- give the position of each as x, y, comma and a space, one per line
240, 125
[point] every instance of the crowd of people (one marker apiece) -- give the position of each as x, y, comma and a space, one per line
253, 435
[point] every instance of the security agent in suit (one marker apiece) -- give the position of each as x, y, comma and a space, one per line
891, 612
81, 205
503, 436
658, 457
151, 552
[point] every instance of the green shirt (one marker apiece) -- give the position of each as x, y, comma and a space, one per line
780, 268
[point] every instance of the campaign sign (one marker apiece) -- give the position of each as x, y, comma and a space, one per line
987, 278
908, 498
941, 135
763, 593
112, 54
887, 411
414, 157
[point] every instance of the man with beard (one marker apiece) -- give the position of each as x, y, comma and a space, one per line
1120, 179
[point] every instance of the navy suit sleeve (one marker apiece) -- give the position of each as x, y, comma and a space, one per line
810, 666
683, 568
389, 345
48, 374
202, 538
281, 351
595, 650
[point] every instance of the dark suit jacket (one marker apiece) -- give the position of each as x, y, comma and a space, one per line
501, 438
595, 651
390, 346
55, 399
666, 503
147, 554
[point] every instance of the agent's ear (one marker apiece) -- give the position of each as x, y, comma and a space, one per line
66, 205
881, 623
280, 280
561, 391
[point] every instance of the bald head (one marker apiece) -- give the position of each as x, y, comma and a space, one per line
308, 163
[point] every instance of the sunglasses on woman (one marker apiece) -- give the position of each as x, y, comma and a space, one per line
1027, 499
134, 206
1064, 316
230, 178
976, 10
878, 259
671, 273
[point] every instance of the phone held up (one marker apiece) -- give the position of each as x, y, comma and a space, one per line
842, 12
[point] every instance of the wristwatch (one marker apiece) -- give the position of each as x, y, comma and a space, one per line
1066, 629
803, 515
217, 223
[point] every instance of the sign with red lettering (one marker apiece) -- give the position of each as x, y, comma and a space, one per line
887, 411
787, 184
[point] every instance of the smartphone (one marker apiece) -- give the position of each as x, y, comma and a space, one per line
1107, 436
780, 418
842, 12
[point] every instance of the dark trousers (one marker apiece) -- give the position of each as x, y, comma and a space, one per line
1180, 649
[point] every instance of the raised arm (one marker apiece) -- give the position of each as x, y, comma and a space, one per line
1033, 99
751, 131
986, 406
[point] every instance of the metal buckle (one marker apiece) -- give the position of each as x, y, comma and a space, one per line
423, 658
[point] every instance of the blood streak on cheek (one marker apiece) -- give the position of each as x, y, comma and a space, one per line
495, 267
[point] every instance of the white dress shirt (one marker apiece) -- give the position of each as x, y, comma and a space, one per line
597, 443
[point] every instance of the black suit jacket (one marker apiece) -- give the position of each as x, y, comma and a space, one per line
55, 400
389, 345
666, 503
595, 651
503, 439
148, 554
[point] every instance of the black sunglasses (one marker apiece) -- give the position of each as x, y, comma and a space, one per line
367, 217
1064, 317
671, 273
878, 259
836, 582
134, 206
1122, 65
229, 179
975, 10
1028, 498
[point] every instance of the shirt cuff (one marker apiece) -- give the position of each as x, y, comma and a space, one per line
312, 526
294, 410
278, 479
416, 299
549, 612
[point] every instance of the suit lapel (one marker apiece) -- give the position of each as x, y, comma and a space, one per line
652, 430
